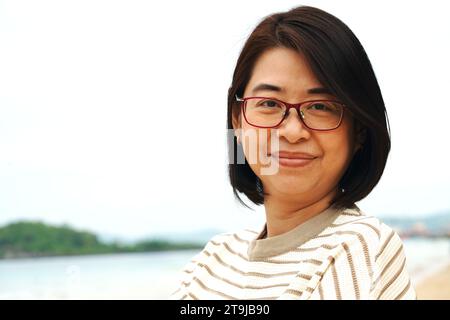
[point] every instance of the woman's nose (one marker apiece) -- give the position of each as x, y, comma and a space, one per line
293, 128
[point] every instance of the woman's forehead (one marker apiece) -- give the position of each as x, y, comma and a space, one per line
284, 69
287, 61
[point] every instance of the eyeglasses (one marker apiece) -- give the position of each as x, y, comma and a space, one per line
263, 112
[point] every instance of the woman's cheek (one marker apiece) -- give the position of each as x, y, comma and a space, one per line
336, 158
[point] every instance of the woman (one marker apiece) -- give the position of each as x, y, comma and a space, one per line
305, 97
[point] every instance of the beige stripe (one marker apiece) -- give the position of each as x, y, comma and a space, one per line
325, 246
312, 261
298, 292
240, 240
349, 222
299, 275
353, 271
370, 226
391, 261
335, 279
346, 213
386, 242
184, 297
403, 291
294, 292
320, 291
259, 274
234, 252
263, 298
204, 287
193, 296
188, 271
391, 281
192, 261
176, 291
250, 273
304, 276
264, 275
363, 243
214, 275
186, 284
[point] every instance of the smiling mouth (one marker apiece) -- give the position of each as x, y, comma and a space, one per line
295, 160
287, 162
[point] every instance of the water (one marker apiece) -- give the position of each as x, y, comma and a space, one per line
145, 275
426, 256
115, 276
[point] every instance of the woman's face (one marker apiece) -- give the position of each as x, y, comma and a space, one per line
332, 150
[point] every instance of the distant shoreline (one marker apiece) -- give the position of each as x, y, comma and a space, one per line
74, 255
34, 239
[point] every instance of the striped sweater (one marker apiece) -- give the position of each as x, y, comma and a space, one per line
337, 254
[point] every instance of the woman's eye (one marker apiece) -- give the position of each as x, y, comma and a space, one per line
318, 106
269, 103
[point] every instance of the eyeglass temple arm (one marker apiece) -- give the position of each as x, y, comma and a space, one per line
238, 99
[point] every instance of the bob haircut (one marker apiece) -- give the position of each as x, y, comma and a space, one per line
341, 65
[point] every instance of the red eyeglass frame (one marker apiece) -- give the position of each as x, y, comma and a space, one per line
295, 106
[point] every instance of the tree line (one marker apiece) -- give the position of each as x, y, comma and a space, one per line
37, 239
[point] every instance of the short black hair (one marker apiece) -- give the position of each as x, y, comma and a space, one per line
341, 64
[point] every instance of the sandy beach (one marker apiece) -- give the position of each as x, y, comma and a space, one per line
435, 286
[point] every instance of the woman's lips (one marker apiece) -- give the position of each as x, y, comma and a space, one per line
288, 159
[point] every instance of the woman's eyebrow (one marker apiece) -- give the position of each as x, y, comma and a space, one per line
319, 90
271, 87
266, 87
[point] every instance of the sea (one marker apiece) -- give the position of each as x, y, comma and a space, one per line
150, 275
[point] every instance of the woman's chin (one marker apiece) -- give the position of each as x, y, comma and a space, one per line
291, 186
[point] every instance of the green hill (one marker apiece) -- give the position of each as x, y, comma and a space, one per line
36, 239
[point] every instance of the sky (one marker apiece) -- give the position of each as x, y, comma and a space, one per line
113, 113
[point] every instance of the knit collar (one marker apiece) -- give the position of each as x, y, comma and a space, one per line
268, 247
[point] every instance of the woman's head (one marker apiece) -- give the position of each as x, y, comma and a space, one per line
296, 51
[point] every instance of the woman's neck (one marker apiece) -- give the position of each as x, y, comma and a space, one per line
283, 214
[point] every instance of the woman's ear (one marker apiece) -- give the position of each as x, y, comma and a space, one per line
236, 120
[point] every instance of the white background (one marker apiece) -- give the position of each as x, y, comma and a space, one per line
113, 113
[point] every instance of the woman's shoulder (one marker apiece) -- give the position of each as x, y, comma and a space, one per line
365, 228
356, 217
242, 236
